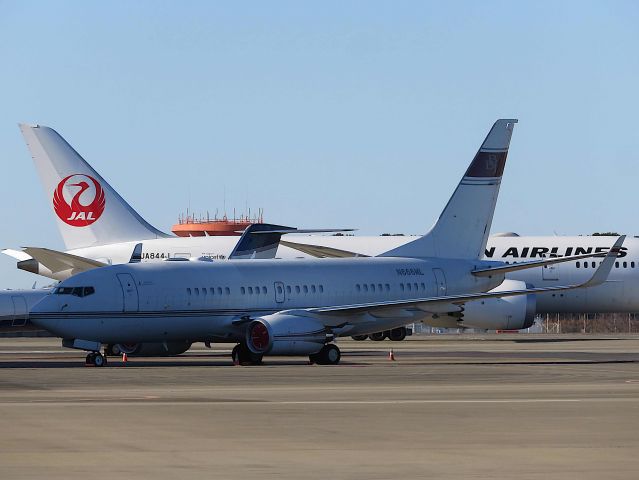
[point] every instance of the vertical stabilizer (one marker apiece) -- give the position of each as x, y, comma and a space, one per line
88, 211
464, 225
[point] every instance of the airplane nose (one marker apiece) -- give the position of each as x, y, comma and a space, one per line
40, 315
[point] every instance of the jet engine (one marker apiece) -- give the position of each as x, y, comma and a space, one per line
509, 313
286, 334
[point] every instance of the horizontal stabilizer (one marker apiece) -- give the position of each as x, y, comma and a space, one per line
59, 261
261, 240
319, 251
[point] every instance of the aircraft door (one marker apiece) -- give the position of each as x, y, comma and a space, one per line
440, 281
550, 272
279, 292
129, 292
19, 311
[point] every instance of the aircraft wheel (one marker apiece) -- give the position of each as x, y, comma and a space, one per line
89, 359
328, 355
359, 337
241, 355
397, 334
99, 360
378, 336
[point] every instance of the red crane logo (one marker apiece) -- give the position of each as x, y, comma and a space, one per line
78, 214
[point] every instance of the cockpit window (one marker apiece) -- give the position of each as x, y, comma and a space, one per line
77, 291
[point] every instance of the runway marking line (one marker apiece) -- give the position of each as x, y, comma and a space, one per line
158, 401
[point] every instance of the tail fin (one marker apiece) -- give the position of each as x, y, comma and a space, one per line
463, 227
87, 209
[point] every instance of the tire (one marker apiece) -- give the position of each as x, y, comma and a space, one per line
397, 334
359, 337
89, 360
241, 355
377, 336
329, 355
99, 360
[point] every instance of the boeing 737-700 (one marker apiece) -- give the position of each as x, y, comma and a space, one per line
298, 307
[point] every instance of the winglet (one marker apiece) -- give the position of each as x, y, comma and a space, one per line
601, 274
136, 256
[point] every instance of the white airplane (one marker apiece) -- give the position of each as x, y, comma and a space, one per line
107, 230
298, 307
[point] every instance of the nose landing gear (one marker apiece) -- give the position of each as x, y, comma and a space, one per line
96, 359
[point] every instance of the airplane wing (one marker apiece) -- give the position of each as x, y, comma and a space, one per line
59, 261
260, 240
513, 267
451, 303
319, 251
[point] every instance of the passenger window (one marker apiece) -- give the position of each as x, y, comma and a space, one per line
197, 291
219, 290
321, 288
372, 287
264, 291
305, 289
312, 288
228, 290
212, 291
578, 264
593, 264
401, 286
409, 286
379, 287
257, 290
288, 289
632, 264
625, 264
387, 287
423, 287
188, 291
616, 264
416, 286
204, 292
365, 287
243, 291
250, 290
358, 288
297, 289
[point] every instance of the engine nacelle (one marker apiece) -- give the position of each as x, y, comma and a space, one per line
286, 334
509, 313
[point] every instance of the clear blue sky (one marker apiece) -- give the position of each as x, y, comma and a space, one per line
325, 114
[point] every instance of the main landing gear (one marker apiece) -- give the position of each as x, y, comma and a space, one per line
96, 359
241, 355
328, 355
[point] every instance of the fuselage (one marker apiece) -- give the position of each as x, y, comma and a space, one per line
204, 300
619, 294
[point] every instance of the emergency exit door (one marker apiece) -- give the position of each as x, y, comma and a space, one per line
129, 292
440, 281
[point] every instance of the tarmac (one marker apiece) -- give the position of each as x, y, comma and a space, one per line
448, 407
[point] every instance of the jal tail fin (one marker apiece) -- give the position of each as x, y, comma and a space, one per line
464, 225
88, 211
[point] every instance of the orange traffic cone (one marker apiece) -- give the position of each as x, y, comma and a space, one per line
391, 355
124, 359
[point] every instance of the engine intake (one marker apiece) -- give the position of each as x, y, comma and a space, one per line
286, 334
